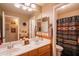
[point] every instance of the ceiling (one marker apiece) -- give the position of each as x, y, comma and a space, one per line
11, 8
67, 7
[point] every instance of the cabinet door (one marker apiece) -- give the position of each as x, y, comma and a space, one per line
44, 51
25, 54
46, 54
33, 52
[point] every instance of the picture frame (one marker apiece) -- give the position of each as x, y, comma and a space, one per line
13, 30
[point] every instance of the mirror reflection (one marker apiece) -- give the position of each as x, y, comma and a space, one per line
42, 27
11, 28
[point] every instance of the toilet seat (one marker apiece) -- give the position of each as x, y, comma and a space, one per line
59, 48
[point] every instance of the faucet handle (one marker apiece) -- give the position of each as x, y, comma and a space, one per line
9, 45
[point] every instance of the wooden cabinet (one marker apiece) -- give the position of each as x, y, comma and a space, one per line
33, 52
46, 54
25, 54
42, 51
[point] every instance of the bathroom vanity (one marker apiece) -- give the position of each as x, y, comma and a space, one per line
40, 51
34, 48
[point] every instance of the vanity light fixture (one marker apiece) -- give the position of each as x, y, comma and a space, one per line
26, 6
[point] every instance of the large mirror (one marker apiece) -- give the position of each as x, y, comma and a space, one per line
19, 24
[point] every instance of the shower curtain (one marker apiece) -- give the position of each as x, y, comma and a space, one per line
68, 35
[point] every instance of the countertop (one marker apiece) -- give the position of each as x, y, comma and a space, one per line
19, 49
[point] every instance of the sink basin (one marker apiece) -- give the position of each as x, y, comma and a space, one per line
2, 48
5, 54
13, 49
17, 46
9, 52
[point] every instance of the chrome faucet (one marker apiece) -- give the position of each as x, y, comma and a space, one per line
9, 45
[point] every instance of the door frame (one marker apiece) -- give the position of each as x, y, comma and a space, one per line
54, 26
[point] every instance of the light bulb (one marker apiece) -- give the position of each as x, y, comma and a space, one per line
24, 7
27, 4
17, 5
29, 9
33, 5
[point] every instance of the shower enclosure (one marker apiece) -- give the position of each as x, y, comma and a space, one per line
68, 35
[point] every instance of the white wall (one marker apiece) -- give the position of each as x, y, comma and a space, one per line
47, 11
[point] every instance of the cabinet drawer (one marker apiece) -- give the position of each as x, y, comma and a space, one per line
33, 53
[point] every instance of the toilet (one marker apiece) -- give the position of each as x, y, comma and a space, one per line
59, 50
